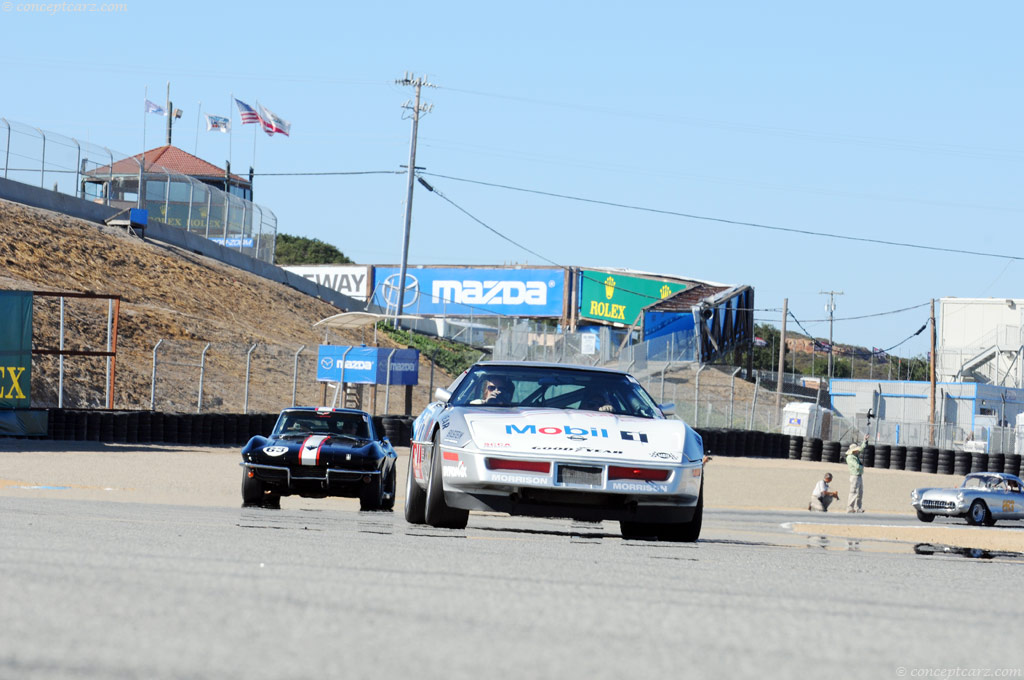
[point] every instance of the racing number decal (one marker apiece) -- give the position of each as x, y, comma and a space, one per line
1007, 506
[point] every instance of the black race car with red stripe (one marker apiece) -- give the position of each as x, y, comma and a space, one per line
320, 452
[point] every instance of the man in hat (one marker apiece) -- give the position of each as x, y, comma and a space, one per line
822, 497
856, 477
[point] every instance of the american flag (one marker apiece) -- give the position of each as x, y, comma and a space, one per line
248, 113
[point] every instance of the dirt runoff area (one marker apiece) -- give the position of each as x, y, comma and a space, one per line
211, 476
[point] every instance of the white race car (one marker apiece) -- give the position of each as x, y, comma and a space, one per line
550, 440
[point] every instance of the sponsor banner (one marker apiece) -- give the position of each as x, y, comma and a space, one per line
451, 291
616, 297
15, 349
345, 279
234, 241
580, 434
368, 365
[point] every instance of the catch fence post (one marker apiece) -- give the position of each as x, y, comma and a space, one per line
152, 382
248, 363
295, 373
202, 375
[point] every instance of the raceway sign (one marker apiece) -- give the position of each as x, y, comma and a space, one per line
347, 280
367, 365
452, 291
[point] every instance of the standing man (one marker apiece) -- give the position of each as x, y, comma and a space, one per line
856, 477
821, 497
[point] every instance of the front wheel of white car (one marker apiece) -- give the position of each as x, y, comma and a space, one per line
438, 514
415, 499
925, 516
680, 532
978, 513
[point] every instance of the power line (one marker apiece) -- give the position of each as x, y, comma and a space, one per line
722, 220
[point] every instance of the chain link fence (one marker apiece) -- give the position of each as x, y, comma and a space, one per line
95, 173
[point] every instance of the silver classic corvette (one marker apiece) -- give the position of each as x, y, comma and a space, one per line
983, 498
550, 440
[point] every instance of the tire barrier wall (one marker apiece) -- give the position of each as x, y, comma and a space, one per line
192, 429
930, 459
219, 429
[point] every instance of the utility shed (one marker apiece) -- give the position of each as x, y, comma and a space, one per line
963, 411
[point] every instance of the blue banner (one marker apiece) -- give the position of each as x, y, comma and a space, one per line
368, 365
451, 291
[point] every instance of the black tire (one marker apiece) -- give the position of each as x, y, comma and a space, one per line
437, 513
256, 494
389, 491
925, 516
415, 498
978, 513
371, 497
685, 532
638, 530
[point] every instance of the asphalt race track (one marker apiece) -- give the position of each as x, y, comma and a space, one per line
97, 589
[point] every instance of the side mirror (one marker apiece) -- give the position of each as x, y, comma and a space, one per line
667, 409
443, 395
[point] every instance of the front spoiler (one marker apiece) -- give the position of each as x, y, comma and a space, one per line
575, 505
331, 478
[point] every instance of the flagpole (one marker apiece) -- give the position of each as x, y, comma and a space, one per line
195, 149
231, 124
144, 114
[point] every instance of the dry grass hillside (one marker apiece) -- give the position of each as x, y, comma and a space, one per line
185, 300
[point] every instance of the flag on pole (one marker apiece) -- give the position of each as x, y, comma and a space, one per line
880, 353
247, 113
219, 123
272, 122
760, 342
155, 108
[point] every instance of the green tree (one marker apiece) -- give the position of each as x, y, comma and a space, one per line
292, 250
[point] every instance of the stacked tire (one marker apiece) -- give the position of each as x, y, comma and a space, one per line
867, 456
979, 462
1011, 465
811, 449
796, 444
898, 458
961, 463
830, 452
882, 452
946, 460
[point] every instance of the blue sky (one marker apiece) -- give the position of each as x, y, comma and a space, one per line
877, 120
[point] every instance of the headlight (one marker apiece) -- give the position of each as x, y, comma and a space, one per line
914, 495
960, 496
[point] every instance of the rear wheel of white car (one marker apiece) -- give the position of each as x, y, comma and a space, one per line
978, 513
437, 512
925, 516
415, 498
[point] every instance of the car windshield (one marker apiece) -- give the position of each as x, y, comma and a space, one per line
553, 387
983, 482
333, 423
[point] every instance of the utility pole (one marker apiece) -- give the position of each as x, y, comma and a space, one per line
830, 308
172, 114
782, 366
931, 391
416, 108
